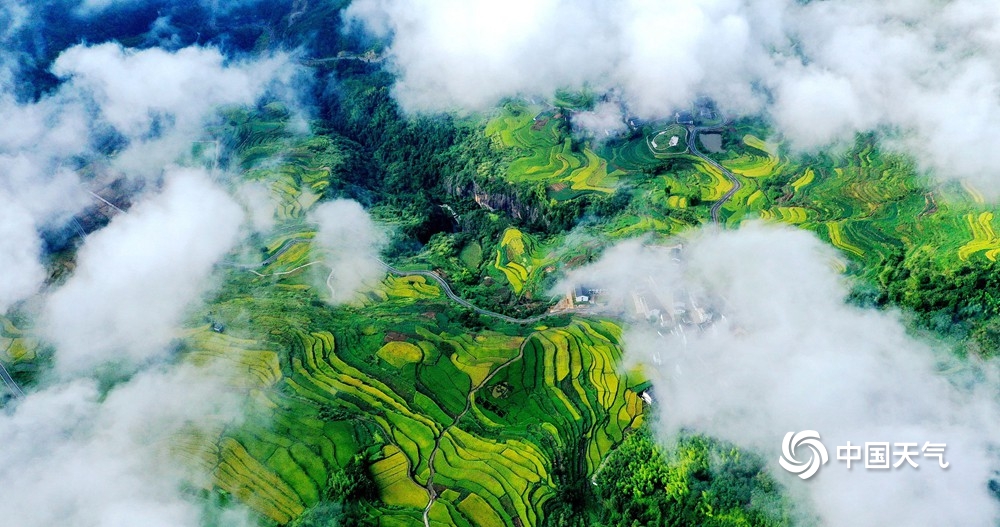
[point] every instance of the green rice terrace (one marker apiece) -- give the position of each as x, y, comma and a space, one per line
464, 425
868, 202
450, 426
402, 407
551, 156
405, 408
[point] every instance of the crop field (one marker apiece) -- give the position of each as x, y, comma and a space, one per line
547, 154
21, 353
392, 378
490, 467
865, 201
628, 226
521, 259
409, 287
712, 182
759, 160
242, 360
399, 354
16, 345
632, 155
396, 488
572, 375
470, 421
984, 238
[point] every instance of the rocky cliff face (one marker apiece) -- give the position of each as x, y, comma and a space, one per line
505, 202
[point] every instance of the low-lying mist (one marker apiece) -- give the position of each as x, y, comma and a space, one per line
780, 350
922, 72
92, 443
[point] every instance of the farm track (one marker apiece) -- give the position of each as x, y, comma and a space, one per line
468, 405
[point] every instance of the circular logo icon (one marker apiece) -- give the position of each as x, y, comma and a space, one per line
817, 456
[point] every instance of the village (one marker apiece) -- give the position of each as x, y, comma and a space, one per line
647, 301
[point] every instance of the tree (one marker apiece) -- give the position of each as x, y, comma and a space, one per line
698, 482
351, 483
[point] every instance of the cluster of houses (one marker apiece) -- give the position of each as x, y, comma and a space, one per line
648, 301
582, 294
669, 311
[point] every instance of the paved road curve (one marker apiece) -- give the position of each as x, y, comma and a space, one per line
693, 132
427, 274
461, 301
9, 381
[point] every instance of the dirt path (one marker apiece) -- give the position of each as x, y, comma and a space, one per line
468, 405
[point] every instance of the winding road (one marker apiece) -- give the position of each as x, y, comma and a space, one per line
692, 141
461, 301
448, 291
9, 381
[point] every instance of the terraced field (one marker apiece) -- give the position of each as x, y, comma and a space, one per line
21, 354
463, 424
759, 159
572, 375
520, 258
712, 182
547, 154
480, 418
249, 366
414, 287
866, 202
17, 346
984, 238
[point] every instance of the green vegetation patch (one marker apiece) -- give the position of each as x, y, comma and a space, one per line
668, 141
547, 155
697, 482
520, 258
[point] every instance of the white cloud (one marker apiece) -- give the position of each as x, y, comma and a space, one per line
30, 199
349, 242
134, 87
603, 121
73, 458
260, 205
822, 70
19, 251
790, 355
160, 99
803, 104
73, 455
135, 278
